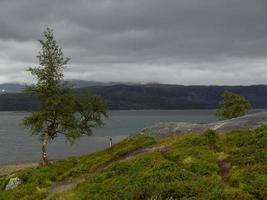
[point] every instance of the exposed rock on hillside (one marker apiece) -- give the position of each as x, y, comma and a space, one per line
250, 122
13, 183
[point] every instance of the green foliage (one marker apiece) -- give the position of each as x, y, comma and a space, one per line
91, 108
232, 105
174, 190
193, 154
237, 194
211, 137
57, 103
248, 156
37, 180
252, 179
187, 170
90, 163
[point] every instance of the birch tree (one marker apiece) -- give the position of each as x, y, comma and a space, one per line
60, 112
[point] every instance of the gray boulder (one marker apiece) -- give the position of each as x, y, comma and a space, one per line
13, 183
247, 122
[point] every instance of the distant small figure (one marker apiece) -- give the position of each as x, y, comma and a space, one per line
110, 141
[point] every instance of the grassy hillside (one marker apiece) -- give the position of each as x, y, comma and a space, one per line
195, 166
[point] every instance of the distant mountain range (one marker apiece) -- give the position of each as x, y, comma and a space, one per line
18, 87
148, 96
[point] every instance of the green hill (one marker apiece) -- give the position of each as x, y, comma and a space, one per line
204, 166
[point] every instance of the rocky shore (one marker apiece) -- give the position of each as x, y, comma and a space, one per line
8, 169
247, 122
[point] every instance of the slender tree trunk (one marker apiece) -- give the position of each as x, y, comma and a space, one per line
44, 153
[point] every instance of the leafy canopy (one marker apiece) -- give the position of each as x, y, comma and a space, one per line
232, 105
60, 111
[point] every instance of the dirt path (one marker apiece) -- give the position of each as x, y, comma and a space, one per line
130, 155
64, 186
225, 168
70, 184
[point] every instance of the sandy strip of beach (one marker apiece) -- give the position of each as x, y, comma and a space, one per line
8, 169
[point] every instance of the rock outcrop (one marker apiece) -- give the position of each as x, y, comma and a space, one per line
13, 183
247, 122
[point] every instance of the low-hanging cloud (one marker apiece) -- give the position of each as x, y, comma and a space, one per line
170, 41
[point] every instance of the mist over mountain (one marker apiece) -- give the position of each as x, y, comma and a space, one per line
18, 87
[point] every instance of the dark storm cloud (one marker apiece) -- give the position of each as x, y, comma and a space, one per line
171, 41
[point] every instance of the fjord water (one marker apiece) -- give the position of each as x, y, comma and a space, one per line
18, 146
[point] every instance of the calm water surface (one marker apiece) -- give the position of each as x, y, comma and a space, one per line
16, 144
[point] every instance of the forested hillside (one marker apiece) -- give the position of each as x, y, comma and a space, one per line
151, 96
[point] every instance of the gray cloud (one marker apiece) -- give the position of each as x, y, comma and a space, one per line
170, 41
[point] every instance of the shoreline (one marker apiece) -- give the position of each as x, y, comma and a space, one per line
7, 169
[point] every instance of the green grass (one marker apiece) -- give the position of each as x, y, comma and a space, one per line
188, 169
37, 180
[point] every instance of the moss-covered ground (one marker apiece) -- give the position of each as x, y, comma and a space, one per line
194, 166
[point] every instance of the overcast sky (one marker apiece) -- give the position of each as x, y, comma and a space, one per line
168, 41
